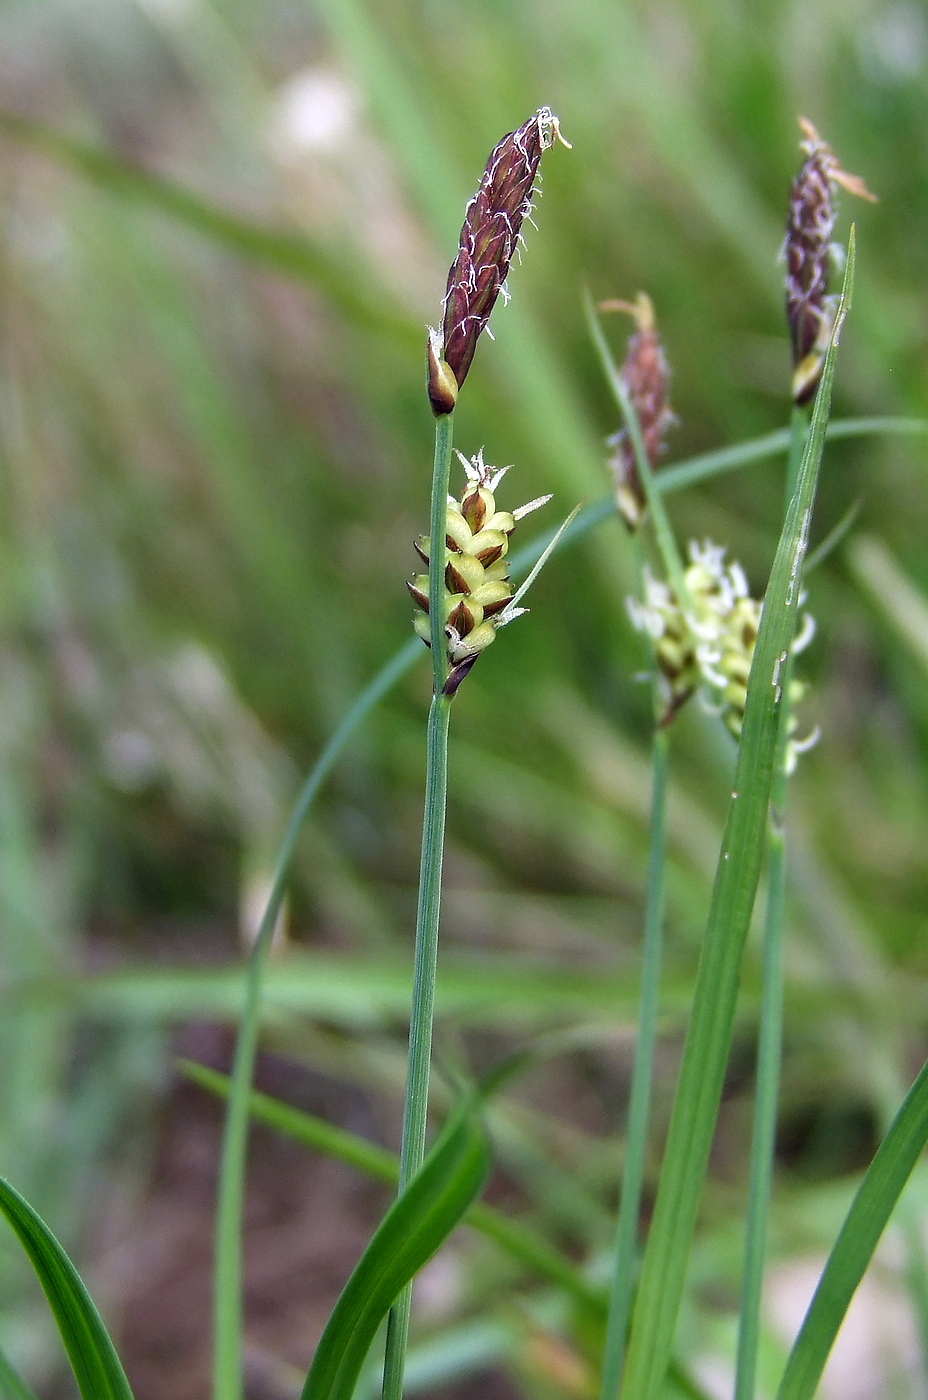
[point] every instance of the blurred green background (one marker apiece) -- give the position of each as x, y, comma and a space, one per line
226, 225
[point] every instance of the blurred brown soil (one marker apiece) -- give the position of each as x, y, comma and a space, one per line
307, 1220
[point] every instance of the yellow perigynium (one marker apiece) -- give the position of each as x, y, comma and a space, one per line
477, 591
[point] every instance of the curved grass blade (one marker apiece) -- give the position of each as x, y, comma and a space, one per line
12, 1385
708, 1039
518, 1241
97, 1369
413, 1229
866, 1220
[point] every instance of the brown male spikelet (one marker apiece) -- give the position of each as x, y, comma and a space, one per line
646, 376
490, 234
808, 251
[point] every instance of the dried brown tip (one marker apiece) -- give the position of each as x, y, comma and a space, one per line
457, 674
646, 376
490, 234
808, 253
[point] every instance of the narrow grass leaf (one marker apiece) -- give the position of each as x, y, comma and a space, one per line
708, 1040
97, 1369
834, 537
415, 1226
872, 1207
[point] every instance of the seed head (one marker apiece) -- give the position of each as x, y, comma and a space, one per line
478, 596
646, 376
490, 235
808, 252
714, 645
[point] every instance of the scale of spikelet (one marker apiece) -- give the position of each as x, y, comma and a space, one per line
477, 593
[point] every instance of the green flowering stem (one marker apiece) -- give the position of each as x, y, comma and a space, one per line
770, 1030
412, 1151
636, 1138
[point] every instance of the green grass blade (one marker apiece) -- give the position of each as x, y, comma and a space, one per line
708, 1040
304, 1127
415, 1226
12, 1385
97, 1369
866, 1220
770, 1030
292, 253
893, 592
516, 1239
709, 464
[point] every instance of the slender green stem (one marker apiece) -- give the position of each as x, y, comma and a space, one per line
415, 1110
770, 1033
227, 1273
441, 470
640, 1097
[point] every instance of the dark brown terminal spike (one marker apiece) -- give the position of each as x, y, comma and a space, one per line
808, 252
489, 238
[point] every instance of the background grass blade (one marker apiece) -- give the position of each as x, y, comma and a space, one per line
705, 1055
530, 1249
97, 1369
709, 464
410, 1233
873, 1205
12, 1385
293, 253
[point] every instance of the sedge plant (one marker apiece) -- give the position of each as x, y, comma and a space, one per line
466, 595
705, 631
